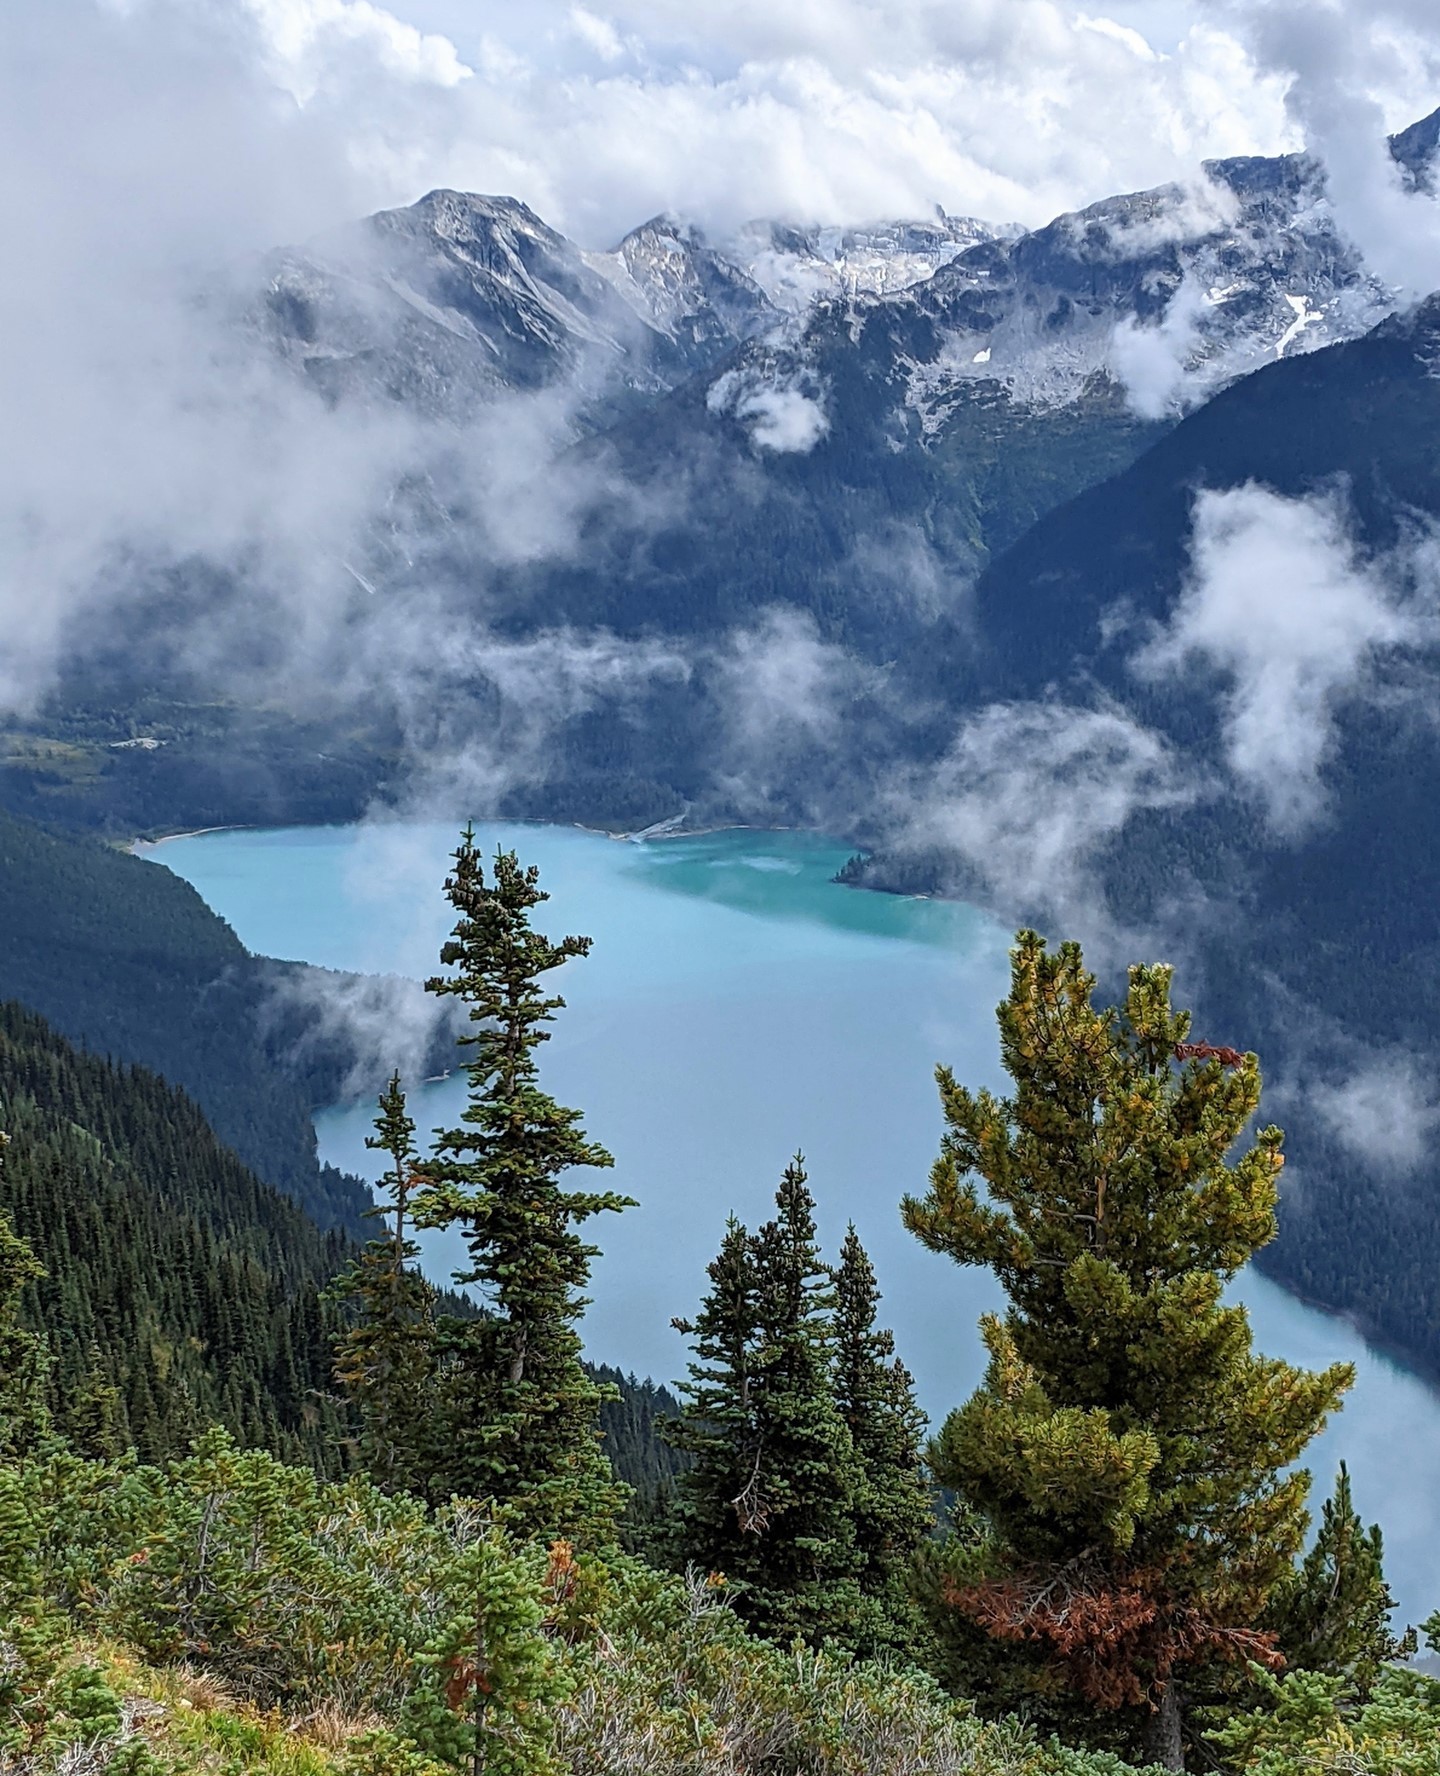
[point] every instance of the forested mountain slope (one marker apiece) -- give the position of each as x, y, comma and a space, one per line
672, 448
865, 464
1361, 419
178, 1290
126, 959
1253, 603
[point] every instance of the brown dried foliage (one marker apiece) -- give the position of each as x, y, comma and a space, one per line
1116, 1636
1209, 1051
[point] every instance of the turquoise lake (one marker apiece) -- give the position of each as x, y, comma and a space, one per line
737, 1007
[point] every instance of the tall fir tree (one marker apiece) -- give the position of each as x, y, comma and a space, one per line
892, 1509
769, 1502
91, 1418
1128, 1452
518, 1413
24, 1359
385, 1360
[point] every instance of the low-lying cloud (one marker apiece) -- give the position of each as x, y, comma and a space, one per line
779, 414
379, 1023
1351, 72
1385, 1112
1281, 606
151, 149
1154, 362
1029, 793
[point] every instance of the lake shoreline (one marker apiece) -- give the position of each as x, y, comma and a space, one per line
136, 846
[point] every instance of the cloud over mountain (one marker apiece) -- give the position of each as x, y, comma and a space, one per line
1278, 602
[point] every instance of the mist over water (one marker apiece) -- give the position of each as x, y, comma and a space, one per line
738, 1006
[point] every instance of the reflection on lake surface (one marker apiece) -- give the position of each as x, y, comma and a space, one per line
738, 1006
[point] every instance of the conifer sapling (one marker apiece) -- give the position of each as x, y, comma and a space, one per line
386, 1360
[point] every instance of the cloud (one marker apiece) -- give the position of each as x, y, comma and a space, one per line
378, 1023
779, 679
784, 419
778, 413
1385, 1112
166, 485
1029, 793
1377, 1100
1198, 209
1155, 363
845, 112
896, 563
305, 39
156, 457
145, 156
1278, 602
483, 715
1351, 73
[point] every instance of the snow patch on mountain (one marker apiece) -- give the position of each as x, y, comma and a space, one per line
798, 266
1171, 293
1163, 295
681, 286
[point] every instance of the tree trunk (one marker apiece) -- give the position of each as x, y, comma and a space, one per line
518, 1354
1163, 1741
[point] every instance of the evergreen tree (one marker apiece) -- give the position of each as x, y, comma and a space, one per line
23, 1356
1333, 1614
717, 1427
1129, 1452
492, 1675
386, 1360
769, 1501
520, 1415
891, 1510
92, 1419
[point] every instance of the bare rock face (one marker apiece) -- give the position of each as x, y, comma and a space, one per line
1163, 296
455, 301
461, 298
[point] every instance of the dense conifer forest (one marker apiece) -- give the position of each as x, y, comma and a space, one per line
176, 1290
1317, 948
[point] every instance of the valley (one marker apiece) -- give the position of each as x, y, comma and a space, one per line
942, 1275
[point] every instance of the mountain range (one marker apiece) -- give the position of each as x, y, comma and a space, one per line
1247, 617
462, 297
795, 419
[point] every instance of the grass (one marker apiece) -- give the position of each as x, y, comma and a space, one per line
189, 1721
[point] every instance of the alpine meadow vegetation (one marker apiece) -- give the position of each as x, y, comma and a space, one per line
421, 1565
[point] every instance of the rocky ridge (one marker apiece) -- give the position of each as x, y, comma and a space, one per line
1166, 295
